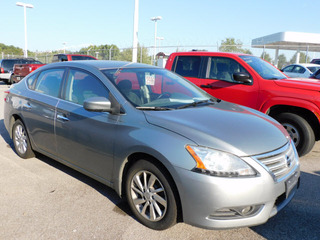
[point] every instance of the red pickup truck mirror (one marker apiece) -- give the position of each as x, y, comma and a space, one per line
242, 77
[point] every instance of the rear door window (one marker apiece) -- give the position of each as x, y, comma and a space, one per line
188, 66
49, 82
298, 69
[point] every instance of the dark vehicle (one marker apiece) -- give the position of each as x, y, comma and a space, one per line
6, 67
71, 57
22, 70
315, 61
172, 150
316, 75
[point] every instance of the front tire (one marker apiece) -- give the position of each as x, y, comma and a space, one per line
150, 196
299, 130
21, 140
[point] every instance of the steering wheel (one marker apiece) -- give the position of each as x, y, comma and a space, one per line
164, 95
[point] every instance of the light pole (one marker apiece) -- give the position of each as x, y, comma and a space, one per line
64, 47
160, 39
135, 31
25, 6
155, 19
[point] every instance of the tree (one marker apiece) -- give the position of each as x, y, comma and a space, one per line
282, 61
11, 50
302, 58
232, 45
266, 56
102, 51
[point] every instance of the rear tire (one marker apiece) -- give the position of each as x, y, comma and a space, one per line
299, 130
21, 140
150, 196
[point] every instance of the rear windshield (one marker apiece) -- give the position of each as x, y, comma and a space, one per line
74, 58
8, 64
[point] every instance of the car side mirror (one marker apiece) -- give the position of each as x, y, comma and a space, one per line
97, 104
242, 77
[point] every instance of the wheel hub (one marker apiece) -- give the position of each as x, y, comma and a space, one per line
293, 132
148, 196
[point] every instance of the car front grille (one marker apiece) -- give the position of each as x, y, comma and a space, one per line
280, 162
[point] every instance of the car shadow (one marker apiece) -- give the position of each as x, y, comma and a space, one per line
5, 135
300, 219
121, 205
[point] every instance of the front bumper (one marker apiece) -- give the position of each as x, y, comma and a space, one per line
216, 202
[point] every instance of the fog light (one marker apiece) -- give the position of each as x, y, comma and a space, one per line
236, 212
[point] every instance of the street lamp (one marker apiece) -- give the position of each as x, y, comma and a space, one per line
25, 6
155, 19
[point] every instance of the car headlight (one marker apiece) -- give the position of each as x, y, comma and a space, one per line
218, 163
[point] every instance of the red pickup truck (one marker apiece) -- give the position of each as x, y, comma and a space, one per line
22, 70
253, 82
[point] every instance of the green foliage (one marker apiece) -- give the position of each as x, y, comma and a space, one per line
232, 45
266, 56
282, 61
104, 52
10, 50
302, 58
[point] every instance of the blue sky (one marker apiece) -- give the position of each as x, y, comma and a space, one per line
184, 22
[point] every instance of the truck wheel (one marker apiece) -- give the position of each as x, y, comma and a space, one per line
21, 140
150, 195
299, 130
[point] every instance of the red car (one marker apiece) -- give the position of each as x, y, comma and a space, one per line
71, 57
253, 82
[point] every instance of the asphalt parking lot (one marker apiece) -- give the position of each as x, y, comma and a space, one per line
43, 199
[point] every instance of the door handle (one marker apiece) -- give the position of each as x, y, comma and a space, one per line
62, 118
27, 106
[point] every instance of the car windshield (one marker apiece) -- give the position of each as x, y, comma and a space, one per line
264, 69
156, 89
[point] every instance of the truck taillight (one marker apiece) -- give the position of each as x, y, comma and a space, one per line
1, 70
30, 69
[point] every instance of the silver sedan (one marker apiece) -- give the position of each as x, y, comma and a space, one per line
173, 151
302, 70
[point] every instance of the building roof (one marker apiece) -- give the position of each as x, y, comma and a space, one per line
289, 41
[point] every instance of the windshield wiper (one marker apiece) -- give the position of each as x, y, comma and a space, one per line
155, 108
197, 103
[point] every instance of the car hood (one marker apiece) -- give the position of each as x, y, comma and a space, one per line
300, 83
224, 126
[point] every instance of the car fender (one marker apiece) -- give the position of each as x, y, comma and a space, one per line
292, 102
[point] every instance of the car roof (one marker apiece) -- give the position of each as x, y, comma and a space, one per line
71, 54
205, 53
305, 64
101, 64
